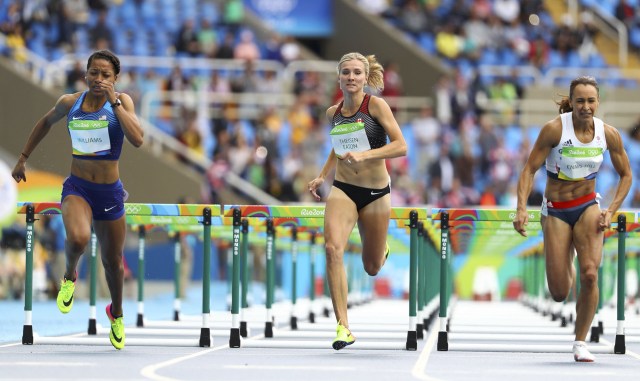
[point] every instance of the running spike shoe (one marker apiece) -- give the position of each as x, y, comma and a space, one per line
65, 294
343, 337
116, 334
581, 352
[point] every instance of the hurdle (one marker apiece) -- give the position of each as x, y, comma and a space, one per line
292, 214
30, 210
450, 219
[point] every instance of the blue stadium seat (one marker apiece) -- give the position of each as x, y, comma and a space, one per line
427, 42
573, 59
556, 59
634, 37
489, 56
596, 60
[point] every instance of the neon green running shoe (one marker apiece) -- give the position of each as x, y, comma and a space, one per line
343, 337
116, 334
65, 295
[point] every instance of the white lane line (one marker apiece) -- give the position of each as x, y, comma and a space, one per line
47, 363
292, 367
420, 367
149, 371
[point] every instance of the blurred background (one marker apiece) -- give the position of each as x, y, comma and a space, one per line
232, 95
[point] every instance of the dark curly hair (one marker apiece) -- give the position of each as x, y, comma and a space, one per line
105, 55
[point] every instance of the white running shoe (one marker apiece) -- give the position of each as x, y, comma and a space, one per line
581, 353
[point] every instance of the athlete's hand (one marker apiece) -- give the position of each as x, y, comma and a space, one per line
109, 89
313, 187
604, 221
351, 158
19, 172
520, 222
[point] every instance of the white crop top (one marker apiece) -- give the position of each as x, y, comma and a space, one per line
573, 160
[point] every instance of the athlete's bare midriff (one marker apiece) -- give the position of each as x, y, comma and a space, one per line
367, 174
96, 171
559, 190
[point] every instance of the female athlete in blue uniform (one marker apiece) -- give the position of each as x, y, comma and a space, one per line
98, 120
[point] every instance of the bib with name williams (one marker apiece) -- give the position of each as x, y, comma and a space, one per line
94, 135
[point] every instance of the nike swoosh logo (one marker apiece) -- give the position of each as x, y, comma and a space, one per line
108, 209
116, 338
375, 193
67, 303
75, 118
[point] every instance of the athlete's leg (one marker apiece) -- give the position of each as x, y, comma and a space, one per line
373, 225
558, 257
588, 240
339, 219
77, 216
111, 236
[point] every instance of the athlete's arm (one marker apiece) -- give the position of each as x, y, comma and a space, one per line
549, 137
380, 110
620, 162
129, 121
328, 166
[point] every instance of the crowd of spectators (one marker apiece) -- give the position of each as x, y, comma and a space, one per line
461, 152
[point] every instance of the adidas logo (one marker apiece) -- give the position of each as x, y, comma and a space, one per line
567, 143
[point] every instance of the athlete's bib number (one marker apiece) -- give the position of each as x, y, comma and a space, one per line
350, 137
90, 137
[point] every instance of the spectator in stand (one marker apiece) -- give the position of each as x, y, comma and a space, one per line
207, 39
270, 83
448, 43
101, 31
585, 37
290, 50
625, 13
392, 81
233, 15
564, 36
75, 78
426, 131
507, 10
187, 40
300, 120
17, 45
218, 84
272, 47
412, 18
476, 28
441, 174
539, 52
246, 49
75, 15
225, 50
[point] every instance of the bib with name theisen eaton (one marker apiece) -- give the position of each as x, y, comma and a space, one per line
358, 132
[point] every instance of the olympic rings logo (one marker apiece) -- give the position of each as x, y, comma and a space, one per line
132, 208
